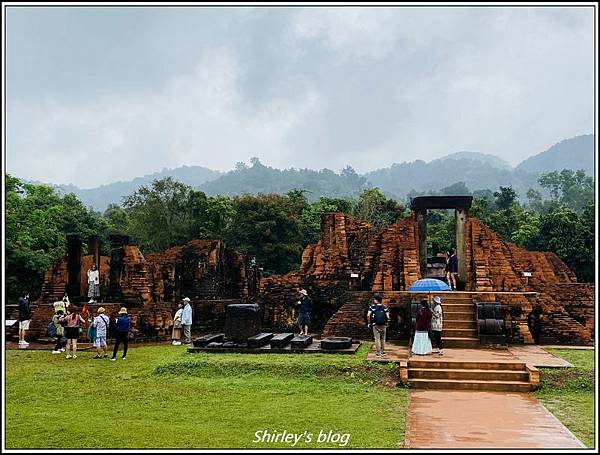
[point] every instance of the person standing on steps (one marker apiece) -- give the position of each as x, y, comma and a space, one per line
122, 330
378, 317
451, 269
437, 325
421, 342
93, 284
24, 318
304, 309
186, 321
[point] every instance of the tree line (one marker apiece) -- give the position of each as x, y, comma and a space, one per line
275, 228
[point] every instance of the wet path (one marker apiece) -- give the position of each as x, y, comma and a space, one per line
446, 419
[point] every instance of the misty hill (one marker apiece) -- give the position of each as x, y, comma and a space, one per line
574, 153
483, 158
113, 193
259, 178
477, 173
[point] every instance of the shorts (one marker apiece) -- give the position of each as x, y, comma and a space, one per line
100, 342
24, 325
72, 333
303, 319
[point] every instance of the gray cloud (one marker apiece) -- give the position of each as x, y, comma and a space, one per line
100, 94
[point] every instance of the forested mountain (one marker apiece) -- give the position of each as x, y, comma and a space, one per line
574, 153
478, 172
99, 198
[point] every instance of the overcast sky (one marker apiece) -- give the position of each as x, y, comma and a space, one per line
96, 95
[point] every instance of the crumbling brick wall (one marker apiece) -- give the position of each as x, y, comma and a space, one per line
494, 264
385, 259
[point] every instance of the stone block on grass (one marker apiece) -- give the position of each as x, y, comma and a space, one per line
242, 321
281, 340
301, 341
259, 340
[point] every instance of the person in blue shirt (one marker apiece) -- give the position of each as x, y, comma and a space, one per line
122, 331
186, 321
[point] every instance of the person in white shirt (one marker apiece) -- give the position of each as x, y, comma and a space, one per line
177, 325
437, 325
101, 323
93, 284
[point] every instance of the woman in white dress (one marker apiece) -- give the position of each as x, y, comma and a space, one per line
421, 342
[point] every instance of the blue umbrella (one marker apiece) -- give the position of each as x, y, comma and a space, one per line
429, 284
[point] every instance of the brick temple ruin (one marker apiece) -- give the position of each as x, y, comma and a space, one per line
349, 264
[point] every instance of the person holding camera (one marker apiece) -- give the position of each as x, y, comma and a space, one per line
378, 317
304, 308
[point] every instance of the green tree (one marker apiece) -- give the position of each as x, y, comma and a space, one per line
373, 206
37, 219
267, 227
574, 189
164, 214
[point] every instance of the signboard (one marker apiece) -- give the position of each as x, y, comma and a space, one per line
354, 275
527, 274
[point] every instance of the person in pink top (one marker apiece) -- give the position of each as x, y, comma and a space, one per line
73, 322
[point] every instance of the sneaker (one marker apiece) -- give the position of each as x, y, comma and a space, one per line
96, 357
74, 356
440, 353
56, 352
124, 358
113, 359
62, 349
69, 356
105, 356
91, 301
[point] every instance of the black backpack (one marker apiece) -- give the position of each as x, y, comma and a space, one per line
379, 315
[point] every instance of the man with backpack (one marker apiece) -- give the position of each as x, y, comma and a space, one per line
377, 317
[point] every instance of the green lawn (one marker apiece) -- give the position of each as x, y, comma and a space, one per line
569, 393
163, 397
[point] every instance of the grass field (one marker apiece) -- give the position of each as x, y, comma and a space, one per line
163, 397
569, 393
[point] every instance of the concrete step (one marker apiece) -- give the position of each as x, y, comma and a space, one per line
452, 315
465, 384
466, 307
458, 324
469, 374
439, 363
459, 333
460, 342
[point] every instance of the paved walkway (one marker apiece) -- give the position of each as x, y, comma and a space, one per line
532, 355
538, 357
446, 419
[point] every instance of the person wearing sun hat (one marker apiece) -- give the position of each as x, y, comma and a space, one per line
304, 309
186, 321
101, 325
437, 325
122, 329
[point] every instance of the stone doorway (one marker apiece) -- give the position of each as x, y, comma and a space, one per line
461, 205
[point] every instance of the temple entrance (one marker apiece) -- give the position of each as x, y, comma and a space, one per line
441, 238
461, 205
